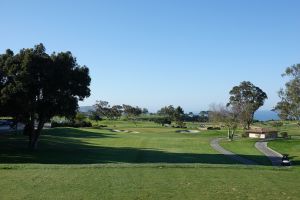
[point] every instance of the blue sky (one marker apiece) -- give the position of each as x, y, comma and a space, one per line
161, 52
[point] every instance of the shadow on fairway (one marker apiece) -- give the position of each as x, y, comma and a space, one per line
63, 146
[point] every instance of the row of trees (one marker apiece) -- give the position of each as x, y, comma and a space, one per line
166, 115
103, 109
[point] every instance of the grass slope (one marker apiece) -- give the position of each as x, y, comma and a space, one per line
149, 183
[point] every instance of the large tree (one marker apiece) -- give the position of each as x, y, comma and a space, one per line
246, 98
35, 86
289, 105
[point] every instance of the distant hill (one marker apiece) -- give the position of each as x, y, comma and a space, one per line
85, 109
265, 115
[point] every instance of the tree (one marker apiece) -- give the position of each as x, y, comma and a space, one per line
132, 113
179, 117
246, 99
145, 111
203, 116
226, 115
102, 108
93, 115
167, 111
289, 105
35, 86
116, 112
172, 114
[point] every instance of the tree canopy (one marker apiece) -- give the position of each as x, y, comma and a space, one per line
289, 105
246, 98
35, 86
173, 114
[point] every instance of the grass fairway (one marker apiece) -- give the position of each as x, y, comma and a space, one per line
94, 146
150, 162
148, 182
245, 147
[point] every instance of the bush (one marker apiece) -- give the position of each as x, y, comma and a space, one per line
213, 128
75, 124
162, 121
277, 124
284, 134
245, 135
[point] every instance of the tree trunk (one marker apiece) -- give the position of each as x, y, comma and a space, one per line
34, 135
229, 138
232, 134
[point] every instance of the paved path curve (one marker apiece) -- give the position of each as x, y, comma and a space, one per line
215, 145
274, 156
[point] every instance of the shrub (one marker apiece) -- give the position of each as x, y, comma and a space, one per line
245, 135
277, 124
213, 128
284, 134
75, 124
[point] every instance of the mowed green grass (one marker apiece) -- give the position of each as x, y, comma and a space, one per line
245, 147
94, 146
156, 163
148, 182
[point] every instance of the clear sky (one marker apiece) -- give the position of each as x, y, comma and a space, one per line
153, 53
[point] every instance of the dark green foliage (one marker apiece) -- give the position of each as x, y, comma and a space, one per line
93, 115
245, 135
35, 86
245, 99
210, 128
162, 120
103, 109
284, 134
173, 114
75, 124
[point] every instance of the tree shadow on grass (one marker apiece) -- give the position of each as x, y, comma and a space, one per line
76, 133
63, 146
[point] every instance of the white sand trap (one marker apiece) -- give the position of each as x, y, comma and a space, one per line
135, 132
124, 131
118, 131
189, 131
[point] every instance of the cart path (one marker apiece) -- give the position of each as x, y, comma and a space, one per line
273, 156
215, 145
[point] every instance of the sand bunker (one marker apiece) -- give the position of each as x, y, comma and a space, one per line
189, 131
123, 131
